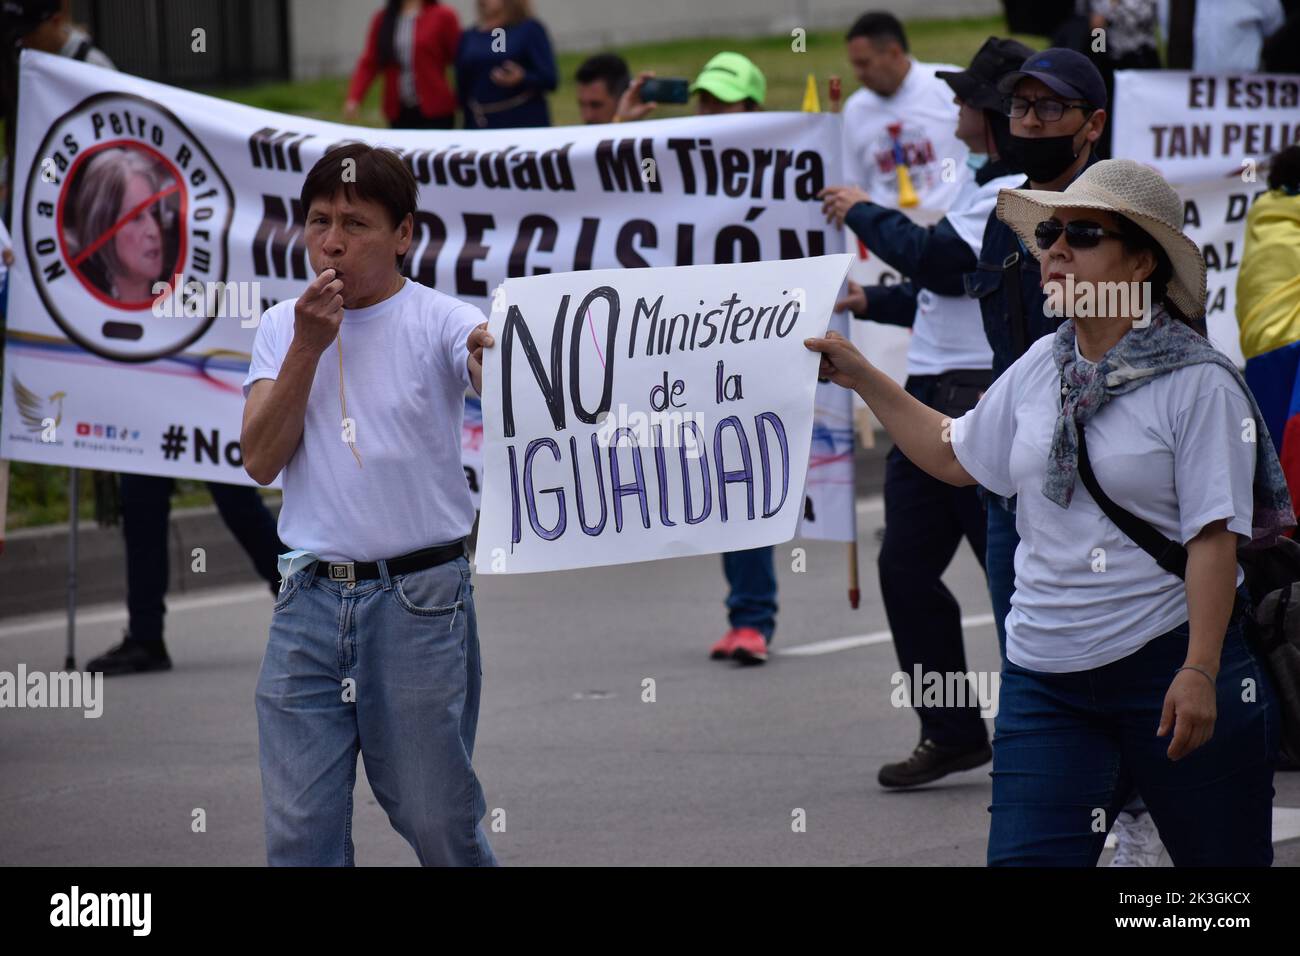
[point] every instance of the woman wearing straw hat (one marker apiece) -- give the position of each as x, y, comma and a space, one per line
1117, 675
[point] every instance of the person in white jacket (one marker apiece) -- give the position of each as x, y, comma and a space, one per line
903, 115
949, 365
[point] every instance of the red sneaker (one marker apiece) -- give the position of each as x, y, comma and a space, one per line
722, 650
749, 647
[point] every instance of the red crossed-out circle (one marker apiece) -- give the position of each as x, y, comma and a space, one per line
75, 262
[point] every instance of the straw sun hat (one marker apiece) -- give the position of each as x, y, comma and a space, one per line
1128, 189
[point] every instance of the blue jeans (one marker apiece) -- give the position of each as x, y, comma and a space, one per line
1069, 748
1000, 564
389, 669
751, 599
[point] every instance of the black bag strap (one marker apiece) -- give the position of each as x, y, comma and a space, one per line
1169, 554
83, 49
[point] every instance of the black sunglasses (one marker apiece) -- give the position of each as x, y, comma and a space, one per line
1079, 233
1047, 108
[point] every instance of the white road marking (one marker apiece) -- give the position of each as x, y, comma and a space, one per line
58, 620
863, 640
110, 614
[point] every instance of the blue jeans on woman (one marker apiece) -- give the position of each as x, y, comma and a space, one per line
1069, 749
389, 669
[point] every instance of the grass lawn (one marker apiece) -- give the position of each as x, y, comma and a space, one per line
38, 493
944, 41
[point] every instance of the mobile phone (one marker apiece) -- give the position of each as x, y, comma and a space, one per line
666, 90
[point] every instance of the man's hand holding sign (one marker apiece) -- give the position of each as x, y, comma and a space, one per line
638, 414
478, 340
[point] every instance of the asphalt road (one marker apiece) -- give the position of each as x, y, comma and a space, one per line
714, 771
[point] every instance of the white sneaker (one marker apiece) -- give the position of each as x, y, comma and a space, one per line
1137, 841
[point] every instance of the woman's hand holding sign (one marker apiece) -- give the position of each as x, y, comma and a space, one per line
922, 433
842, 363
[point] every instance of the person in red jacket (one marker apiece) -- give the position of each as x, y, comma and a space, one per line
412, 42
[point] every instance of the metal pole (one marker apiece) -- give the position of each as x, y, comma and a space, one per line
74, 502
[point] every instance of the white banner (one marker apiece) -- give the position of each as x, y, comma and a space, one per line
95, 378
1211, 137
1198, 126
637, 414
1215, 217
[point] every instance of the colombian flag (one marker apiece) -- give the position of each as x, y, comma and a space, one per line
1268, 313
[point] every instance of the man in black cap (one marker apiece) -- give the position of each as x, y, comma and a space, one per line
1056, 102
948, 367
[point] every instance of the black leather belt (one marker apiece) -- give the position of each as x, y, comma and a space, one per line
407, 563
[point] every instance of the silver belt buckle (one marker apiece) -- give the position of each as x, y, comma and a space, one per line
343, 571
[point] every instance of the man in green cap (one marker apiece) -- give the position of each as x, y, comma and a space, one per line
729, 83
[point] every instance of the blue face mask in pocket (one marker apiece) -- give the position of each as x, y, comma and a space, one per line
291, 562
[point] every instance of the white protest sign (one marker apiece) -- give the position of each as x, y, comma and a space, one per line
134, 390
1197, 126
636, 414
1210, 136
1214, 216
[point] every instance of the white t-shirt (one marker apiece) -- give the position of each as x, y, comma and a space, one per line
924, 107
1172, 452
404, 375
948, 331
1229, 37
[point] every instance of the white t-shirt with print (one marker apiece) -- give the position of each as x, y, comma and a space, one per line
404, 374
948, 331
1175, 452
924, 107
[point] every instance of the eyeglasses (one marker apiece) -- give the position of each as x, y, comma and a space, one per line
1079, 233
1047, 109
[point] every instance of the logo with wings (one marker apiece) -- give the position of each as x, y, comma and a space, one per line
35, 410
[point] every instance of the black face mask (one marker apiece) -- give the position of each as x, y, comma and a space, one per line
1043, 158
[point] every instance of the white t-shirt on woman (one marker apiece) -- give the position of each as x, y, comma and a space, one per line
1177, 452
